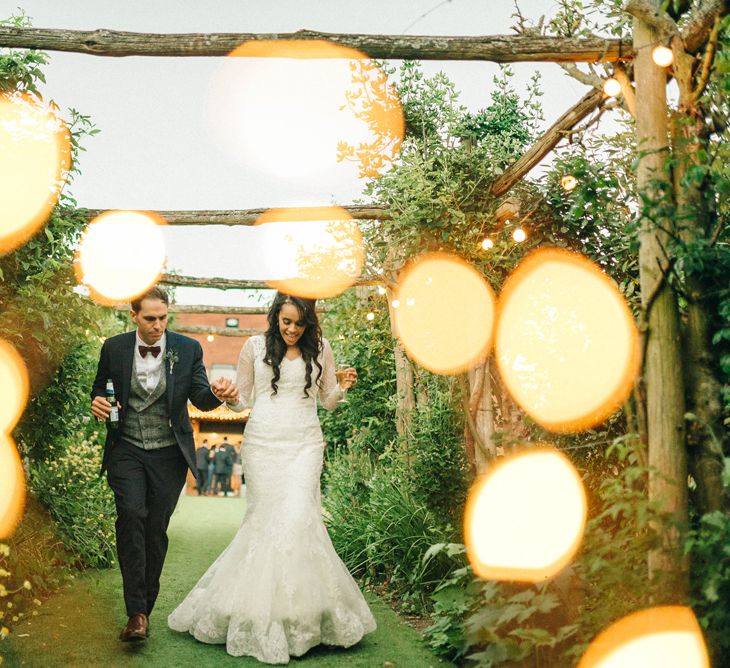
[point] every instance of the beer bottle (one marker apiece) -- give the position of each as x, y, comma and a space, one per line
113, 420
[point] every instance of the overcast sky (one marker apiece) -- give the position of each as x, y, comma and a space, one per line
155, 151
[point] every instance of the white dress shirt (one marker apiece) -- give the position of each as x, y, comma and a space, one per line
149, 368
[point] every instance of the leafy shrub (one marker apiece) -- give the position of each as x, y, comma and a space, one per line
439, 472
382, 531
708, 546
78, 499
500, 623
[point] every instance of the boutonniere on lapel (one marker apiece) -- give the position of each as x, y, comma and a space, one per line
172, 358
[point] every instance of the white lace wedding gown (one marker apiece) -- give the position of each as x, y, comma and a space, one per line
279, 588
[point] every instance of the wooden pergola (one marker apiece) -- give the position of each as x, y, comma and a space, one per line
643, 93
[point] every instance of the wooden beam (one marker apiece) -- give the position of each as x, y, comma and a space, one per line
242, 216
238, 284
226, 310
494, 48
588, 103
215, 331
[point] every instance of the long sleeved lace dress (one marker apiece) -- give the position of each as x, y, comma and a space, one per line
279, 588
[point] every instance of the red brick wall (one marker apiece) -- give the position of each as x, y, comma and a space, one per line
224, 349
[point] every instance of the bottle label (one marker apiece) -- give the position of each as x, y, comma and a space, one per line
114, 415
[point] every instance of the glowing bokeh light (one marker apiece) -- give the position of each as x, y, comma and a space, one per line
568, 182
611, 87
12, 487
121, 254
566, 344
34, 161
662, 56
487, 244
381, 290
370, 316
519, 235
210, 338
448, 325
666, 636
395, 303
15, 385
314, 252
525, 517
296, 108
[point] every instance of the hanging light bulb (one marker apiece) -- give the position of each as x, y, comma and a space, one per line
519, 235
211, 338
568, 182
395, 303
612, 87
370, 316
662, 56
487, 244
381, 290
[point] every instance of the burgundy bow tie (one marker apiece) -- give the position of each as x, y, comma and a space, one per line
155, 350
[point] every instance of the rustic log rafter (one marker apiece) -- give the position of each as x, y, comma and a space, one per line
493, 48
244, 216
238, 284
199, 309
216, 331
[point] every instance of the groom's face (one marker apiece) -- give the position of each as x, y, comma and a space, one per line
151, 320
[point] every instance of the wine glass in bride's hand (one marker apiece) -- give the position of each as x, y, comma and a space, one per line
342, 372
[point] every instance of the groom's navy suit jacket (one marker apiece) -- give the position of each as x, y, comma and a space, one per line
187, 380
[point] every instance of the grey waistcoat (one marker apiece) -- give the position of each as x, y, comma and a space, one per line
147, 422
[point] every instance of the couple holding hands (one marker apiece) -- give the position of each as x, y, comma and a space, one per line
279, 588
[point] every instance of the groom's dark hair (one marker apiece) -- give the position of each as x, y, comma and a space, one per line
155, 292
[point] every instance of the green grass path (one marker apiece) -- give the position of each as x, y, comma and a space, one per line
79, 626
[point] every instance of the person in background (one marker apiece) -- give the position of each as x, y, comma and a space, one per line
229, 465
237, 470
201, 461
223, 464
211, 471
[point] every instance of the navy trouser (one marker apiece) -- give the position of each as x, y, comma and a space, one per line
147, 485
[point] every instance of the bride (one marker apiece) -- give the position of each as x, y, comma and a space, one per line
279, 588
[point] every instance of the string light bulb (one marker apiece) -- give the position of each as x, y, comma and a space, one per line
662, 56
487, 244
211, 338
568, 182
381, 290
519, 235
395, 303
370, 316
612, 87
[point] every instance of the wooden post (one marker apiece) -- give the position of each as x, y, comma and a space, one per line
662, 369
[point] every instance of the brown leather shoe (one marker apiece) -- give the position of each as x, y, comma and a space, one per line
137, 628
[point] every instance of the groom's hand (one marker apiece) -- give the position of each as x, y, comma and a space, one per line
225, 390
101, 408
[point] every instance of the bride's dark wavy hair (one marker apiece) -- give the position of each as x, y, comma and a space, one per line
310, 343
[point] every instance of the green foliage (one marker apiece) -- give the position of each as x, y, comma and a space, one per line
78, 499
381, 531
438, 468
366, 421
438, 192
708, 546
499, 623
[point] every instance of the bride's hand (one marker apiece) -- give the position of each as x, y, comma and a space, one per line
347, 378
225, 390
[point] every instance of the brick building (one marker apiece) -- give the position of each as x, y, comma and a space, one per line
220, 356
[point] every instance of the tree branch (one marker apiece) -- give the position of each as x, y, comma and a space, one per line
653, 16
707, 60
587, 104
494, 48
701, 21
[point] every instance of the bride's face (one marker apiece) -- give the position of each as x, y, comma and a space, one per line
291, 325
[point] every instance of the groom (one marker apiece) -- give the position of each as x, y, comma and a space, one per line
147, 456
